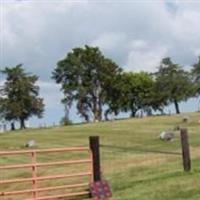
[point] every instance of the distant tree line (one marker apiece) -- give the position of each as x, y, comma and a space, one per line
98, 87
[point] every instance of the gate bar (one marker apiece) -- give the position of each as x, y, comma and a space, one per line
45, 178
46, 164
2, 153
93, 171
64, 195
44, 189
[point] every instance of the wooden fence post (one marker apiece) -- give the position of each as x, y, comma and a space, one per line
185, 150
94, 146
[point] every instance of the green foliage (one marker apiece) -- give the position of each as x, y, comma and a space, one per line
196, 74
132, 92
20, 98
113, 97
196, 70
65, 121
173, 84
85, 75
93, 81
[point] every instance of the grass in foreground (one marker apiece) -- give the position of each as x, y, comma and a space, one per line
137, 164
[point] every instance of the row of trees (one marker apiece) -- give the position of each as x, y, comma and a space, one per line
99, 87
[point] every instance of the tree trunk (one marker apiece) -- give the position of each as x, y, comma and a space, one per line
96, 116
106, 113
12, 126
176, 107
22, 124
97, 110
133, 112
86, 117
100, 110
149, 112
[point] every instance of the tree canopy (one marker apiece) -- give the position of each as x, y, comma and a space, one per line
20, 96
96, 83
196, 75
174, 84
86, 75
135, 91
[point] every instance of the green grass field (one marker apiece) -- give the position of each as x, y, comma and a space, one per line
136, 163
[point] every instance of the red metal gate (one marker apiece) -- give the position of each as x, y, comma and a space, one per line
34, 193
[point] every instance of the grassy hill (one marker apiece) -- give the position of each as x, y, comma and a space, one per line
137, 164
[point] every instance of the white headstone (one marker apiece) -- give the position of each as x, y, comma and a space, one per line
166, 135
30, 143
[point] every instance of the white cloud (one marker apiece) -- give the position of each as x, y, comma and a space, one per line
135, 34
138, 44
144, 56
2, 82
196, 51
39, 33
109, 41
51, 93
186, 26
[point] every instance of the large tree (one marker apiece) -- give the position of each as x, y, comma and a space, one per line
131, 92
114, 97
173, 83
85, 75
20, 99
138, 90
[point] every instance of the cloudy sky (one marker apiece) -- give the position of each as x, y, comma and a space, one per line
134, 33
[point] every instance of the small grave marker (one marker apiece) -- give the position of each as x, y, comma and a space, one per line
30, 143
167, 135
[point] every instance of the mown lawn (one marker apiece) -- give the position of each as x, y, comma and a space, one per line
137, 164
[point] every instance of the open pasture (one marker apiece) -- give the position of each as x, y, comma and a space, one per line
137, 164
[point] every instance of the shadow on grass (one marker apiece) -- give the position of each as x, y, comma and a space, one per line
149, 180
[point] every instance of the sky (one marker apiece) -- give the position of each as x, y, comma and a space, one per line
136, 34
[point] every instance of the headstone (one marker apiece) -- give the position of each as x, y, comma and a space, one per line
167, 135
30, 143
